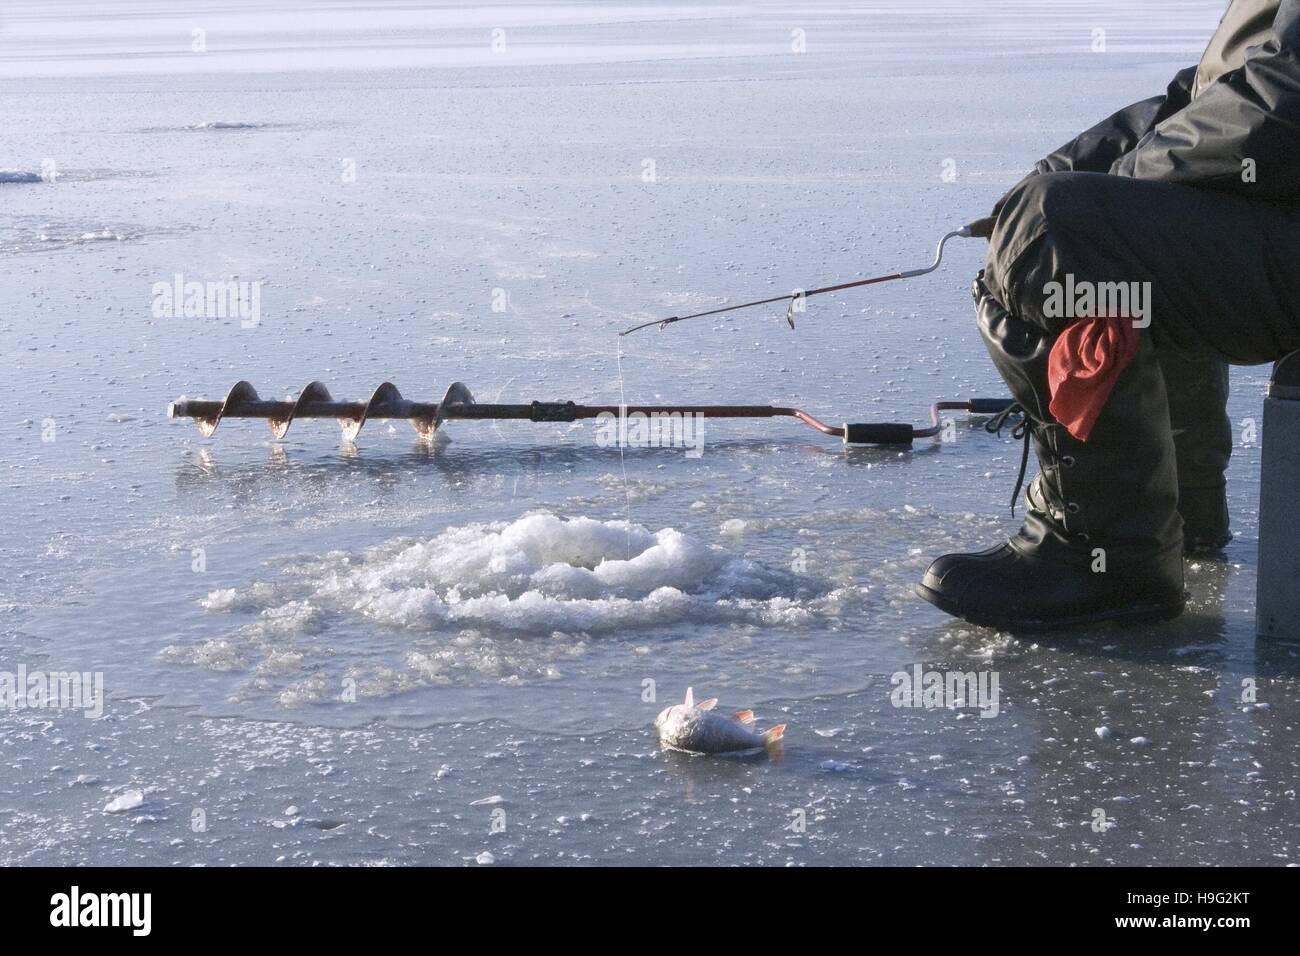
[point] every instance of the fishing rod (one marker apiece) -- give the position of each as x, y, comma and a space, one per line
980, 227
242, 401
458, 404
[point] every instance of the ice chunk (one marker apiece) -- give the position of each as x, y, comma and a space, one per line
124, 803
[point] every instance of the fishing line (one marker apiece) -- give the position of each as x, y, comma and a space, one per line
622, 419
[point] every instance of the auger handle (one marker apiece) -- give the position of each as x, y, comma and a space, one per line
900, 433
878, 433
988, 406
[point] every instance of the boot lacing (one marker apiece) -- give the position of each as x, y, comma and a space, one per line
1020, 432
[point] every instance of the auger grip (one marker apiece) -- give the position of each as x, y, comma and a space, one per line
878, 433
552, 412
988, 406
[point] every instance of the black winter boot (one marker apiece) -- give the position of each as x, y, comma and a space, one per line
1197, 388
1102, 539
1205, 519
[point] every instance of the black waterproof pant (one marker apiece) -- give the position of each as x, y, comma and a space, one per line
1224, 276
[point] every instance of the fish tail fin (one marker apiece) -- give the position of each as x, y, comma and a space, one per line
774, 735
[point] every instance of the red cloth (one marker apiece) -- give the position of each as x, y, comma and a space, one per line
1085, 362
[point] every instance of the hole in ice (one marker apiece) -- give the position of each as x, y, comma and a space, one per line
541, 598
537, 573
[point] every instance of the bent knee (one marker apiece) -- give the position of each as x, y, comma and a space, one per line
1043, 230
1050, 202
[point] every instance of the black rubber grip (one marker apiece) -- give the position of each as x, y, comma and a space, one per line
878, 433
988, 406
551, 412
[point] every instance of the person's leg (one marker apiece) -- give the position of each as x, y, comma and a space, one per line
1198, 398
1221, 269
1103, 538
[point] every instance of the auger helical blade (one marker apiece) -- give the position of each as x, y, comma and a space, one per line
385, 394
426, 425
314, 392
458, 396
239, 394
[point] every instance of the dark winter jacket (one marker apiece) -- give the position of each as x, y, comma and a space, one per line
1230, 123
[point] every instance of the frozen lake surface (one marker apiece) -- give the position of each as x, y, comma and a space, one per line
431, 651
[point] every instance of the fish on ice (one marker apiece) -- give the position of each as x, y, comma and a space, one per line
697, 728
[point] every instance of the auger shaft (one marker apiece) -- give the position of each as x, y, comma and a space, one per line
534, 411
208, 408
387, 402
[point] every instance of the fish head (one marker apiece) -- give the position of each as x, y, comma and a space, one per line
685, 718
666, 715
681, 711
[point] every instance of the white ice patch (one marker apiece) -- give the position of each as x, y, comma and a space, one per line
543, 573
225, 124
217, 654
68, 239
257, 597
126, 802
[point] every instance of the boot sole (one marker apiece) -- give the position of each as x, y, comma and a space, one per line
1133, 614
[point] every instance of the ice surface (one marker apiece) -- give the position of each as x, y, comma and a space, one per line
379, 635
